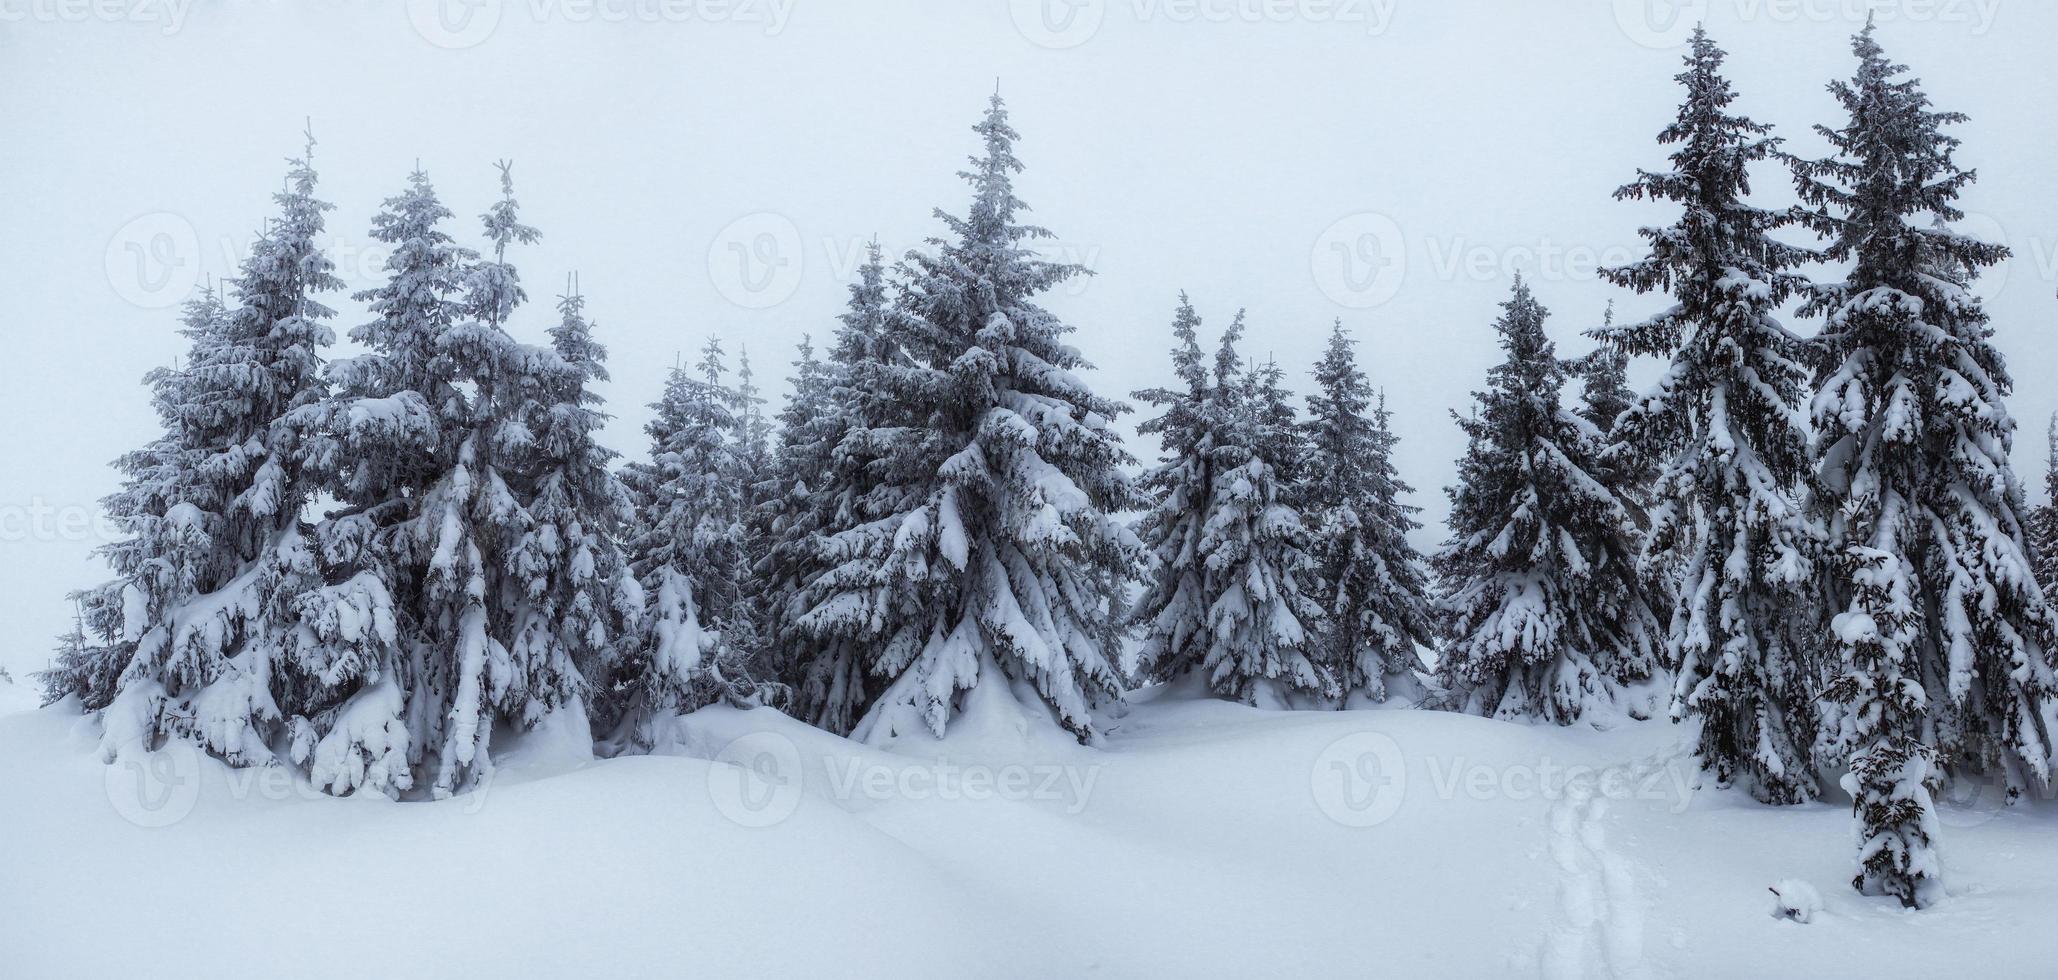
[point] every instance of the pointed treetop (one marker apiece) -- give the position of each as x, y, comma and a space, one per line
1532, 357
993, 210
502, 227
710, 365
1227, 363
1701, 48
2051, 473
1187, 358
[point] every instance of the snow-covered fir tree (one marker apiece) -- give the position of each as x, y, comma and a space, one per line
746, 630
1371, 584
1604, 395
1726, 423
1543, 611
2043, 521
720, 562
802, 446
829, 452
753, 426
1626, 469
158, 556
1226, 598
1263, 622
688, 551
999, 477
220, 628
435, 443
1942, 635
1179, 588
86, 665
577, 605
1604, 392
800, 459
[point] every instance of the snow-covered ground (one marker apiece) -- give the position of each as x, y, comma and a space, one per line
1203, 839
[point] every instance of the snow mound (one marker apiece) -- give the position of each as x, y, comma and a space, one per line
1795, 899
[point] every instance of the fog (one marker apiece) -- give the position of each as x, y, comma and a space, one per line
716, 167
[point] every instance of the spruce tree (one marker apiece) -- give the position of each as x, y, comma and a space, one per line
1727, 423
390, 427
200, 637
824, 549
746, 630
1604, 395
1941, 633
1226, 599
999, 474
156, 563
1604, 382
435, 444
1371, 584
1629, 471
720, 560
576, 603
753, 428
2043, 521
1172, 615
1261, 648
1543, 613
802, 445
799, 464
687, 551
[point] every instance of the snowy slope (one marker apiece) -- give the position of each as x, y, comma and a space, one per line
1204, 839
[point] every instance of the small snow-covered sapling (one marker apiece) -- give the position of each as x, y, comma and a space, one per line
1795, 899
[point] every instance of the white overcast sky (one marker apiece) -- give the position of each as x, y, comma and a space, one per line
715, 167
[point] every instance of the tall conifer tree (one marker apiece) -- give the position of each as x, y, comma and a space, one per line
687, 550
1543, 611
577, 603
1172, 615
1728, 424
435, 452
1942, 635
824, 550
2043, 521
1261, 622
1370, 582
220, 629
1000, 475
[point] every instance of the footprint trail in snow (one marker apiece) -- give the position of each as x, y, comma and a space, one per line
1599, 929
